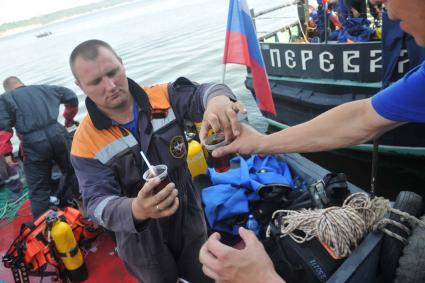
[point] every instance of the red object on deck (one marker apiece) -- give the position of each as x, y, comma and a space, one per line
103, 264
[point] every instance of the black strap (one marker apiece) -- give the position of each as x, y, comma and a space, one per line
43, 273
72, 252
20, 273
374, 170
24, 273
16, 274
318, 194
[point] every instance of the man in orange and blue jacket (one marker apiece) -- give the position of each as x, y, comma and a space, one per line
158, 234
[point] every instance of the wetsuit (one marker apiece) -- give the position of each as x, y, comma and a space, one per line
33, 111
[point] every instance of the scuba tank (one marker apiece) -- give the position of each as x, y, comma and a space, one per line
196, 159
67, 247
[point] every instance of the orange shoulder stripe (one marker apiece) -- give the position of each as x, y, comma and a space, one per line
158, 96
88, 140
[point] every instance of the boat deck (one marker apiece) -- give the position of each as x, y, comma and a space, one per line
102, 262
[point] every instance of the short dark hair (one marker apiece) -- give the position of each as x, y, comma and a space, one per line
8, 82
88, 50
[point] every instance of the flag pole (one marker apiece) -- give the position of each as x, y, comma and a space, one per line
223, 75
223, 72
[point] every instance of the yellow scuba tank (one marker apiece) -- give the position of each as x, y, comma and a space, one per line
196, 159
67, 248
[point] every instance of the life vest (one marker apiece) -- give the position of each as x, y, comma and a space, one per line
33, 250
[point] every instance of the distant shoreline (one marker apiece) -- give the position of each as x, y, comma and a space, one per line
34, 26
17, 30
29, 26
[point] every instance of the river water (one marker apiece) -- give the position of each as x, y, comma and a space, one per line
160, 40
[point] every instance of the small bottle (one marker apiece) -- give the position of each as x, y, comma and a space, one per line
252, 224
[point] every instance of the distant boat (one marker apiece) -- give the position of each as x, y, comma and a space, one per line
44, 34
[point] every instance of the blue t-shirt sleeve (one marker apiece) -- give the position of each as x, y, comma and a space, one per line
403, 101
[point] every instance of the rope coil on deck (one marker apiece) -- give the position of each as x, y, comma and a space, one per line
9, 209
343, 227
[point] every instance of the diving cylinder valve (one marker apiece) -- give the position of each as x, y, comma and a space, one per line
67, 247
196, 159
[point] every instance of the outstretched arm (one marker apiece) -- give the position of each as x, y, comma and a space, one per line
348, 124
214, 104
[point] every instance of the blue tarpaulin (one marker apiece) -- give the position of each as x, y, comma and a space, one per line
232, 191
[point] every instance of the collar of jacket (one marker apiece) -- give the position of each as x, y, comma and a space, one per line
101, 121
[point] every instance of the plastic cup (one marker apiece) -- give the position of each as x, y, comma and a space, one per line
161, 172
212, 142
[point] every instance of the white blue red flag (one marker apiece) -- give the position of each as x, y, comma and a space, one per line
242, 47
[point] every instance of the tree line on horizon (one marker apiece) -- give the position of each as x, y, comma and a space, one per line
48, 18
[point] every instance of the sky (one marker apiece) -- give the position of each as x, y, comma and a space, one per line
15, 10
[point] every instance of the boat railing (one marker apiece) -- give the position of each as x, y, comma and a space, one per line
266, 11
274, 32
286, 27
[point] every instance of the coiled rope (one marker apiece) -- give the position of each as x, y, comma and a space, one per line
9, 209
343, 227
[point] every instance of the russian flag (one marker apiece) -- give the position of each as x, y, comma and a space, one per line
242, 47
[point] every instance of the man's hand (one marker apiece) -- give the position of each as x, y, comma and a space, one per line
248, 264
149, 205
356, 13
10, 161
222, 115
247, 142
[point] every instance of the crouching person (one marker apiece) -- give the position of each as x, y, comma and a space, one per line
9, 178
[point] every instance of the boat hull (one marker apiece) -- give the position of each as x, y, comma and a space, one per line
309, 79
299, 102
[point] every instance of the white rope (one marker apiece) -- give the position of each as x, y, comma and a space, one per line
342, 228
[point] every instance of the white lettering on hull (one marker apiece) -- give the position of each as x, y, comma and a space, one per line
306, 55
348, 66
290, 59
275, 53
328, 61
355, 61
374, 62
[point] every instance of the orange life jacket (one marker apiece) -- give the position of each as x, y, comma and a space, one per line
32, 250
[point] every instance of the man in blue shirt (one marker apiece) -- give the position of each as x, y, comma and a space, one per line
348, 124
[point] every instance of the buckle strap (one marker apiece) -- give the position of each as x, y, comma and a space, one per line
20, 273
318, 194
72, 252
